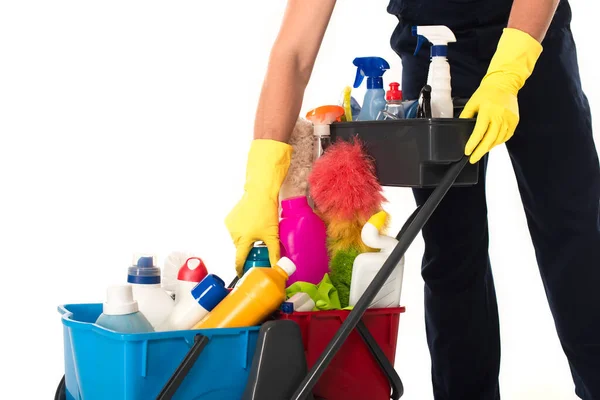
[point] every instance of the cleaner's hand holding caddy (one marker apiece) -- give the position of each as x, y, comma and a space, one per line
494, 56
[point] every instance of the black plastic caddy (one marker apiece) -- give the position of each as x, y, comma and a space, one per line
412, 152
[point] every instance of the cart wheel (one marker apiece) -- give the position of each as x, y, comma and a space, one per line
61, 393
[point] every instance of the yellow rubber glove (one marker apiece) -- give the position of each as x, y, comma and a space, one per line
256, 215
495, 101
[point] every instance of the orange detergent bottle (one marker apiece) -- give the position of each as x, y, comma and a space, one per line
257, 294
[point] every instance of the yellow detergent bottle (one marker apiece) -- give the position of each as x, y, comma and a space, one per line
258, 294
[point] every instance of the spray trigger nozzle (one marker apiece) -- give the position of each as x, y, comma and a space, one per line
438, 35
371, 67
360, 75
420, 40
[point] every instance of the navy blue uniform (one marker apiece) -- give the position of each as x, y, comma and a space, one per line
556, 165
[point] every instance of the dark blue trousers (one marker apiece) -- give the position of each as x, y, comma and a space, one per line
556, 165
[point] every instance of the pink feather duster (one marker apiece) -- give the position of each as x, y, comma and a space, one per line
343, 184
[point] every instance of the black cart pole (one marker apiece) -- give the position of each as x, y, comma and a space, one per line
404, 241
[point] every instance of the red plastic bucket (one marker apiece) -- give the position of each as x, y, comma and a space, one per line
353, 374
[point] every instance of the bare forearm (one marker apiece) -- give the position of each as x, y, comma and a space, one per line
290, 66
532, 16
280, 99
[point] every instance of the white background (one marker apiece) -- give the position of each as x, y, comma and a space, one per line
125, 127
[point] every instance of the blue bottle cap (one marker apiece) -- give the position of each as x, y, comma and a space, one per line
258, 257
287, 308
210, 291
144, 271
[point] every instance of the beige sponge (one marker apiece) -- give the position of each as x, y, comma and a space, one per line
296, 181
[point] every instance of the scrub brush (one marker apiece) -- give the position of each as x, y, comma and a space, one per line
346, 194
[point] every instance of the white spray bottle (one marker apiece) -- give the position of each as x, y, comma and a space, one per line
439, 69
367, 265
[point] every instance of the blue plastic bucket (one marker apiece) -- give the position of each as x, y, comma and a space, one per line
101, 364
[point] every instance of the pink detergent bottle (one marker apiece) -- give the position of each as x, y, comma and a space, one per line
303, 237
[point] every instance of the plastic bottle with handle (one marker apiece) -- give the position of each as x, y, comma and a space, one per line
367, 265
259, 293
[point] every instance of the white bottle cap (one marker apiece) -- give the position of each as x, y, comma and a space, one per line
119, 301
321, 130
287, 265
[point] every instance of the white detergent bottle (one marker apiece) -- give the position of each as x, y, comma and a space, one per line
190, 274
154, 302
191, 309
367, 265
439, 68
120, 312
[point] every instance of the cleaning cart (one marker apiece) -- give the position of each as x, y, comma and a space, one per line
418, 153
348, 354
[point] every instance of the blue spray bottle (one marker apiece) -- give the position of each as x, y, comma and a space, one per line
373, 68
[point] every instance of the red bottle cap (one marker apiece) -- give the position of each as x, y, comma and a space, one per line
193, 270
394, 93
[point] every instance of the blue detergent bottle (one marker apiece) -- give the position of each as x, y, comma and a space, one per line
373, 68
120, 312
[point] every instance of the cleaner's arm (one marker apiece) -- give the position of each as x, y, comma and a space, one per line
532, 16
495, 101
290, 66
256, 215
